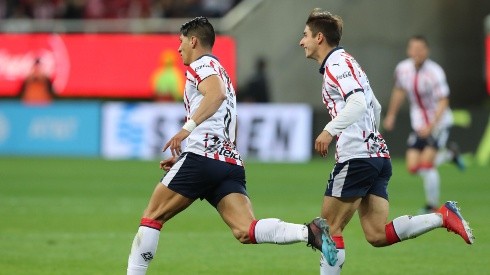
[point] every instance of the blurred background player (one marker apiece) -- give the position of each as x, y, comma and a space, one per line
210, 167
362, 171
424, 82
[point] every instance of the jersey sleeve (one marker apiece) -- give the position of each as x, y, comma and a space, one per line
200, 70
345, 77
441, 88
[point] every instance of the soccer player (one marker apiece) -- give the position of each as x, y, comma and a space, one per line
362, 170
210, 167
424, 82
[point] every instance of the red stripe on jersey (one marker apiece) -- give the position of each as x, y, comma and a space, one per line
419, 99
230, 160
334, 80
334, 114
195, 75
216, 156
349, 64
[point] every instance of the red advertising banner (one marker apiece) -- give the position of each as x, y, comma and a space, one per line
101, 65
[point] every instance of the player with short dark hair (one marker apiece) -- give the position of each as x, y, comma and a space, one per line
362, 170
210, 167
423, 81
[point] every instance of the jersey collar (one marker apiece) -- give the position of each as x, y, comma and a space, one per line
322, 67
210, 55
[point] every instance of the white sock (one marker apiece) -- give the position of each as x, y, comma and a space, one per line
279, 232
407, 227
431, 185
443, 156
143, 250
326, 269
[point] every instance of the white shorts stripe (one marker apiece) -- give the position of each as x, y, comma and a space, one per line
338, 181
171, 174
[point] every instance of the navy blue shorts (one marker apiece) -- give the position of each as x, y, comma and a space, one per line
360, 177
414, 141
194, 176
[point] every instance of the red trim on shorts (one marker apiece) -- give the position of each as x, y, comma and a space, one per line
151, 223
251, 232
391, 236
339, 242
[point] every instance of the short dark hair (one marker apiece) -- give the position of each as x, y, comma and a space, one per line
328, 24
201, 28
421, 38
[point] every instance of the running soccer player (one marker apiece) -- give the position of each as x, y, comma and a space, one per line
210, 167
424, 83
362, 170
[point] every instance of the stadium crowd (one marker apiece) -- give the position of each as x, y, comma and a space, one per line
112, 9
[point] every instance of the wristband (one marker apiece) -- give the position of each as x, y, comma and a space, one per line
190, 125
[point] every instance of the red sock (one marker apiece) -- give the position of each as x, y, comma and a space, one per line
391, 236
151, 223
339, 242
251, 232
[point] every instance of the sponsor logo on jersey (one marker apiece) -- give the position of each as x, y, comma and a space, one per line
344, 75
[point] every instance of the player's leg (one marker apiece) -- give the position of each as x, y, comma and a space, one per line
430, 176
236, 211
373, 213
163, 205
338, 212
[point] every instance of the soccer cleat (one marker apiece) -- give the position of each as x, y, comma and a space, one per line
453, 221
319, 238
457, 158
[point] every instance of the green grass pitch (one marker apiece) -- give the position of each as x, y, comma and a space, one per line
79, 216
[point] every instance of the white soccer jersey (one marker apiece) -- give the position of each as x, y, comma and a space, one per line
424, 88
215, 137
342, 76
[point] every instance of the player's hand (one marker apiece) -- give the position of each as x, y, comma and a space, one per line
175, 143
167, 163
322, 142
389, 123
425, 132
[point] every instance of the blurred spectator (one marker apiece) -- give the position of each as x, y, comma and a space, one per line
108, 9
257, 88
37, 88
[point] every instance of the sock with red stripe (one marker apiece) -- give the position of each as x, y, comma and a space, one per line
144, 246
408, 227
325, 268
277, 231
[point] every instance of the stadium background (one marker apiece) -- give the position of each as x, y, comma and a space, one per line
375, 33
77, 215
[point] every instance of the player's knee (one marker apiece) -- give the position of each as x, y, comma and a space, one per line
376, 240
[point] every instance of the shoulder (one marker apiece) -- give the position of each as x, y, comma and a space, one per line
203, 67
434, 66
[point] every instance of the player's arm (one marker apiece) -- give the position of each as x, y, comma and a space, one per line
353, 110
214, 93
397, 98
441, 107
